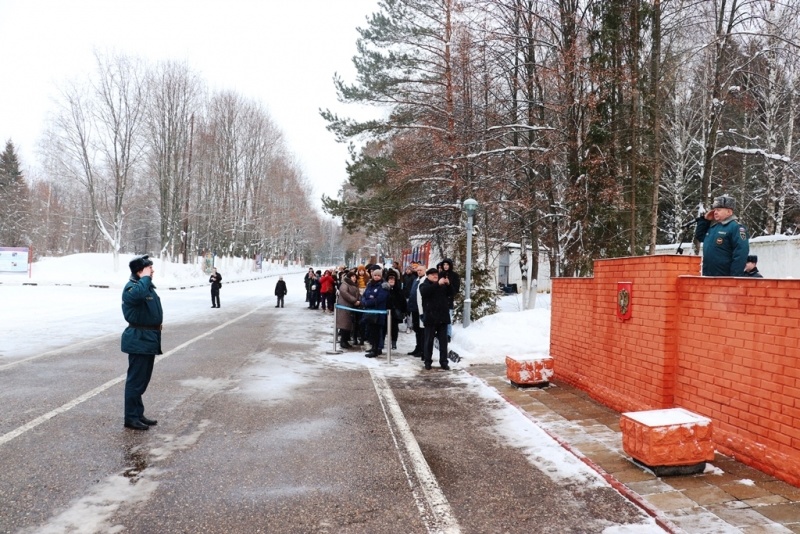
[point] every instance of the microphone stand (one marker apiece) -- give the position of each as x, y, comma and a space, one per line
685, 227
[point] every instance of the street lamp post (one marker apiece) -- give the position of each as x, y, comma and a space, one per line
470, 207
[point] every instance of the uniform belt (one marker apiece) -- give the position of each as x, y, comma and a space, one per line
145, 326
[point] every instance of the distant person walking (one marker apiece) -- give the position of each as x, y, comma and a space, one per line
725, 243
751, 267
280, 291
216, 283
141, 307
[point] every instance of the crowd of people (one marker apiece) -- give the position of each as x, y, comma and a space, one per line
371, 298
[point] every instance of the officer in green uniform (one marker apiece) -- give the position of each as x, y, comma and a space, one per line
141, 307
725, 243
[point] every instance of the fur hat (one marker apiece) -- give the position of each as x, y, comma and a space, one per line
138, 263
752, 259
432, 270
724, 201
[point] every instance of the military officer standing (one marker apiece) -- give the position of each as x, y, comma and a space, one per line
141, 307
725, 243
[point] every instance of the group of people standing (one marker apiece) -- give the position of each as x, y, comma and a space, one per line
371, 298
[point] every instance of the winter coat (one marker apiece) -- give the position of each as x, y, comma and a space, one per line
326, 284
141, 307
362, 278
408, 281
455, 280
280, 288
375, 297
308, 279
216, 281
435, 302
397, 300
348, 296
725, 246
413, 296
754, 273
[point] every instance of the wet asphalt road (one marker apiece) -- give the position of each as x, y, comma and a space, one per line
260, 431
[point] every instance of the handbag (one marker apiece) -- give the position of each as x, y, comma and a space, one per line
398, 315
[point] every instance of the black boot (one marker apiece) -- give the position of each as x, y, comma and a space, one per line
346, 345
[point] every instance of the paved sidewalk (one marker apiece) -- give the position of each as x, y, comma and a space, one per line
729, 497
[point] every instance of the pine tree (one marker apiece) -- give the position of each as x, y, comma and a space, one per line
13, 198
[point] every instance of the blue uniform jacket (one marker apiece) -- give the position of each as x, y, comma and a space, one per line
141, 307
725, 247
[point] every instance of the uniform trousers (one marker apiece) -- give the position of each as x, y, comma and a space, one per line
140, 369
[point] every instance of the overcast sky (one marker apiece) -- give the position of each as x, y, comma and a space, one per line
282, 53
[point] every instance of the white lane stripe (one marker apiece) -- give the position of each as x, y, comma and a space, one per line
443, 519
55, 351
5, 438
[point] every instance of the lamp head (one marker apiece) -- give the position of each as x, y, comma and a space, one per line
470, 206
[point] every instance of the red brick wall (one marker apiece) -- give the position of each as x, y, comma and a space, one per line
725, 348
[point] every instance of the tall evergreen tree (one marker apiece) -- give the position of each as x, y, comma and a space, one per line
13, 199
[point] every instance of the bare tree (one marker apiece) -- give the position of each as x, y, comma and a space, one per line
96, 139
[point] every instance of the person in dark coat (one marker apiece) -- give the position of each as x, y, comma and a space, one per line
396, 305
446, 272
280, 291
725, 243
141, 307
348, 296
307, 283
750, 268
414, 309
375, 298
216, 282
436, 293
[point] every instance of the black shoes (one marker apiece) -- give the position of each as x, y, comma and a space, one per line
415, 353
346, 345
445, 368
373, 353
427, 367
136, 425
394, 346
148, 422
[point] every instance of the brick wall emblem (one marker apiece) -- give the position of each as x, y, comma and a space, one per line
624, 290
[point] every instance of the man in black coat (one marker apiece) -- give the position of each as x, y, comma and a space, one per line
446, 271
280, 291
436, 293
216, 282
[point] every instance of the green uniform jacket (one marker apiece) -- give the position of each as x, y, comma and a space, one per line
141, 307
725, 247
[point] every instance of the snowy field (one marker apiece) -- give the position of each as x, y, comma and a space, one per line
77, 298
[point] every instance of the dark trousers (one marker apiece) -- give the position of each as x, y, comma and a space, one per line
328, 300
435, 331
376, 335
215, 297
419, 332
314, 302
280, 301
395, 328
140, 369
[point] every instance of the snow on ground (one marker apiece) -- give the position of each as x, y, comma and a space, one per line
66, 307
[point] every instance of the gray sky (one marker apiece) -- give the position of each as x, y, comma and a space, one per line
282, 53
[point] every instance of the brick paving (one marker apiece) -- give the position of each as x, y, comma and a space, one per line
729, 497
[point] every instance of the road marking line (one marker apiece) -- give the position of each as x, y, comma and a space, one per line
5, 438
442, 520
